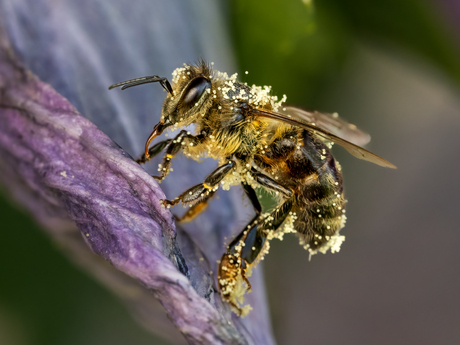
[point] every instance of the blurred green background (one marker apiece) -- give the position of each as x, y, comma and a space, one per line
301, 47
324, 55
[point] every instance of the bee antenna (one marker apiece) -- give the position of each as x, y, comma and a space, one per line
144, 80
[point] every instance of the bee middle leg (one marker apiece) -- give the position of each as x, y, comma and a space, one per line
201, 206
197, 196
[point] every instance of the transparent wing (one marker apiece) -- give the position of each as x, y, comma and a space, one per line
330, 123
353, 149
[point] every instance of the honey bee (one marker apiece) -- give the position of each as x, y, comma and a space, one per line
259, 143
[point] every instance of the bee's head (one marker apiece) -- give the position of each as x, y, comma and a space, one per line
191, 95
188, 98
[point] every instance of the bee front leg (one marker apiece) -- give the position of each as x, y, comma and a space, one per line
173, 148
197, 196
154, 150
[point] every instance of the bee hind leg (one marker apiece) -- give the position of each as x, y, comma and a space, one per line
250, 241
252, 196
245, 278
271, 184
248, 244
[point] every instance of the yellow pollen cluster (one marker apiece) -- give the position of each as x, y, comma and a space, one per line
178, 73
260, 97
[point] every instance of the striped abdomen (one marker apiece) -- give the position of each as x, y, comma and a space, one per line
306, 165
320, 204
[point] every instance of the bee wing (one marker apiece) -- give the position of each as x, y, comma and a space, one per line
353, 149
330, 123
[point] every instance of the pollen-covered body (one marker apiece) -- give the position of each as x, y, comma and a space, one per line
259, 144
291, 156
288, 154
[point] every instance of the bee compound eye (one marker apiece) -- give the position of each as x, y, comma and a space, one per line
195, 90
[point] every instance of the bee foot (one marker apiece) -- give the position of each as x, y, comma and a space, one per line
158, 178
141, 160
167, 204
